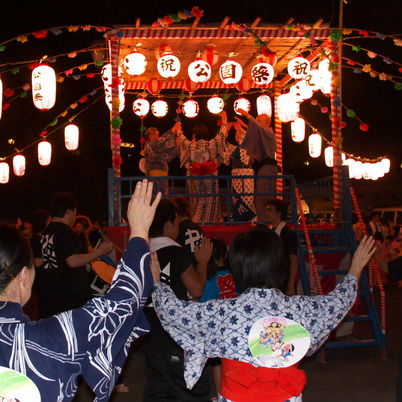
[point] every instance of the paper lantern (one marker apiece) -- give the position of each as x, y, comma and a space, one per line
1, 97
298, 128
168, 66
199, 71
44, 153
230, 72
215, 104
379, 168
314, 145
120, 100
135, 63
325, 76
323, 66
210, 55
350, 163
288, 108
329, 156
190, 85
264, 105
106, 75
269, 57
19, 165
298, 67
357, 168
154, 86
141, 107
313, 80
71, 137
162, 50
4, 172
190, 108
243, 85
387, 164
301, 91
241, 103
43, 87
367, 171
262, 73
159, 108
375, 174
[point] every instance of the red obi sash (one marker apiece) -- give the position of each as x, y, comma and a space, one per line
243, 382
204, 168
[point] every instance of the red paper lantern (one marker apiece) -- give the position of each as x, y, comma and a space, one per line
243, 85
190, 85
154, 86
269, 57
162, 50
210, 55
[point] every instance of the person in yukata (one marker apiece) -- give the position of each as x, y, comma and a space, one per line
260, 144
221, 328
159, 151
93, 340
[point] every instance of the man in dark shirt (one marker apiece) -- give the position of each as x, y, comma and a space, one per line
276, 214
164, 358
63, 270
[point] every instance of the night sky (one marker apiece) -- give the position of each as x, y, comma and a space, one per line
84, 172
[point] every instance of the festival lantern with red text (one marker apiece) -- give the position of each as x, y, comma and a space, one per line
44, 153
230, 72
313, 80
141, 107
298, 128
298, 67
135, 63
301, 91
215, 104
329, 156
210, 55
288, 108
71, 137
168, 66
190, 108
314, 145
241, 103
159, 108
199, 71
106, 75
4, 172
264, 105
19, 165
43, 87
262, 73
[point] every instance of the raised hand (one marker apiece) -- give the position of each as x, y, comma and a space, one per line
140, 211
362, 256
203, 252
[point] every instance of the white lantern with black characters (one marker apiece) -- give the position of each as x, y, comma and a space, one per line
141, 107
298, 128
43, 87
215, 104
262, 73
230, 72
298, 67
168, 66
135, 63
190, 108
241, 103
159, 108
199, 71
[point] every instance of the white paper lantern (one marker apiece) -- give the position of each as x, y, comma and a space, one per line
159, 108
109, 102
241, 103
135, 63
1, 97
43, 87
71, 137
44, 153
4, 172
264, 105
190, 108
313, 79
19, 165
298, 128
168, 66
106, 75
230, 72
329, 156
325, 76
314, 145
357, 170
379, 169
387, 164
298, 67
262, 73
301, 91
215, 104
141, 107
367, 171
288, 108
323, 66
199, 71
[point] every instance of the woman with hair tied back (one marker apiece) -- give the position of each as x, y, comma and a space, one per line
92, 340
262, 334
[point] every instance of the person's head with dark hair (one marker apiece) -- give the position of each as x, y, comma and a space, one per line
183, 207
375, 216
63, 205
277, 211
40, 220
16, 265
166, 220
378, 236
201, 132
257, 260
218, 257
81, 223
151, 134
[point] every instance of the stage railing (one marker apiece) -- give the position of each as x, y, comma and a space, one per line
120, 190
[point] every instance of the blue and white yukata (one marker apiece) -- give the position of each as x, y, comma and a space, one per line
220, 328
92, 340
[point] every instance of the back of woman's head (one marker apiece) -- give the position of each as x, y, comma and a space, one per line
201, 132
15, 254
257, 260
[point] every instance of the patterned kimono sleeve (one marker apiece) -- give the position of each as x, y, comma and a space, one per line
220, 146
168, 146
184, 149
321, 314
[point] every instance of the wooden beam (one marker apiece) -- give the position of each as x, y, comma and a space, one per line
138, 22
256, 22
195, 23
318, 23
224, 22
